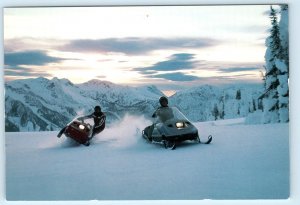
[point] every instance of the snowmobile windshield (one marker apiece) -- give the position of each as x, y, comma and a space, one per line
170, 114
178, 115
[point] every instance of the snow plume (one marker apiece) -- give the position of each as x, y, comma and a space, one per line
68, 142
125, 132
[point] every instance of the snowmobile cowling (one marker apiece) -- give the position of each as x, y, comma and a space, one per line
78, 131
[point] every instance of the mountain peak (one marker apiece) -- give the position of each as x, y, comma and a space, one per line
62, 81
98, 82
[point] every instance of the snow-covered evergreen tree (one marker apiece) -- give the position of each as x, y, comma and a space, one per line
283, 65
275, 98
284, 33
215, 112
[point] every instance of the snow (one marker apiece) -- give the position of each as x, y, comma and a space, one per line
243, 162
280, 64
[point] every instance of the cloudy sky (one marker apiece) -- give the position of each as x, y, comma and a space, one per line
168, 46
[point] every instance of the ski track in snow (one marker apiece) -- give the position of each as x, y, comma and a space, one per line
243, 162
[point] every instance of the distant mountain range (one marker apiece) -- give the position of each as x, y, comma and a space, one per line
208, 103
41, 104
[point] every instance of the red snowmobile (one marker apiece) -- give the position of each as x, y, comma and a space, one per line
77, 130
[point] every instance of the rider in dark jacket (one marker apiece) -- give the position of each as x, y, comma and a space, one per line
99, 120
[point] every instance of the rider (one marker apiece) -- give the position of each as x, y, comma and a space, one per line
99, 122
164, 113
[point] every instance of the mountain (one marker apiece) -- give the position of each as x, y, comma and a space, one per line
207, 102
41, 104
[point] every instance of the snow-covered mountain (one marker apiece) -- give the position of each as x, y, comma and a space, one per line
41, 104
212, 103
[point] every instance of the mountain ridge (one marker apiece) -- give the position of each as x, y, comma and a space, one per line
41, 104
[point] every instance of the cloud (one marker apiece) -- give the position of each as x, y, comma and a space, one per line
147, 72
33, 57
17, 68
176, 62
29, 43
135, 45
237, 69
101, 76
179, 61
19, 71
26, 74
16, 63
177, 76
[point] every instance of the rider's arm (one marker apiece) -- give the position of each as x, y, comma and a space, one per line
154, 114
85, 117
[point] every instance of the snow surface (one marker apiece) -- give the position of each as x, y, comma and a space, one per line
243, 162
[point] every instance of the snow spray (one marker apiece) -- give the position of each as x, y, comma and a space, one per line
125, 132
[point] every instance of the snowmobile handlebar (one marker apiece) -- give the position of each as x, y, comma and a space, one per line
81, 119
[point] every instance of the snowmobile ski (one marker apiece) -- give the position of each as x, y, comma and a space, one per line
209, 139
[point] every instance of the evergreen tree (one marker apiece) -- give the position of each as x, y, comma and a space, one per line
283, 66
222, 114
254, 105
270, 97
263, 76
275, 98
275, 43
215, 112
238, 95
260, 105
284, 34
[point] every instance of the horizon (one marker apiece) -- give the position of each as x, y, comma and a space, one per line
167, 93
173, 48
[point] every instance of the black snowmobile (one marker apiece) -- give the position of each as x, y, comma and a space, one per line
172, 131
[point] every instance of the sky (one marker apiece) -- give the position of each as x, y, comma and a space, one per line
172, 47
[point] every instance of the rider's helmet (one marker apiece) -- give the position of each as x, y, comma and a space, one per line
163, 101
97, 109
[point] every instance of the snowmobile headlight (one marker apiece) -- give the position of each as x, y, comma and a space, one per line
179, 124
81, 127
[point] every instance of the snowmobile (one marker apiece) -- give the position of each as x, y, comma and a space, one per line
172, 131
79, 131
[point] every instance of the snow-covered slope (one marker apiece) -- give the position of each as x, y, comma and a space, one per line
242, 162
41, 104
